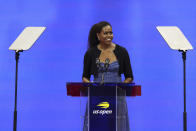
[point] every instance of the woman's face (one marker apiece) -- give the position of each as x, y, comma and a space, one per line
106, 35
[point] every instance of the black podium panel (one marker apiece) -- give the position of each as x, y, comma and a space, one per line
102, 108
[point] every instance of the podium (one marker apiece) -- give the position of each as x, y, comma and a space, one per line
104, 105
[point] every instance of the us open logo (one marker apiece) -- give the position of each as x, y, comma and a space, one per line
104, 106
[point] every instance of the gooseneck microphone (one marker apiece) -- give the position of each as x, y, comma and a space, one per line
106, 65
98, 63
104, 68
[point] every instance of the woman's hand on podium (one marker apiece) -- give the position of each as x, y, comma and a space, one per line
128, 80
85, 80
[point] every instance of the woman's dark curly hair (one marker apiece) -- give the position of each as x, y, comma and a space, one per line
96, 28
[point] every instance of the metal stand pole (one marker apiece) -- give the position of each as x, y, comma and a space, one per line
16, 84
184, 74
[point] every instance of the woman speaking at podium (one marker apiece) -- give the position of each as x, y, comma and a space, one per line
102, 52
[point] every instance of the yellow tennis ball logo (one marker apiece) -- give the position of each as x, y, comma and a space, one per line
104, 105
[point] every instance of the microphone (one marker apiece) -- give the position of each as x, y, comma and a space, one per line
98, 63
106, 65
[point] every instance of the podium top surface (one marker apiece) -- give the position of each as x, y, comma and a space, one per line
174, 38
27, 38
98, 84
75, 88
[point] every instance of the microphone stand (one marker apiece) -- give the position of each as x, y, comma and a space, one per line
102, 78
106, 65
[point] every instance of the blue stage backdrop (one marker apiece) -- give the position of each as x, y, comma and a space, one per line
57, 58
